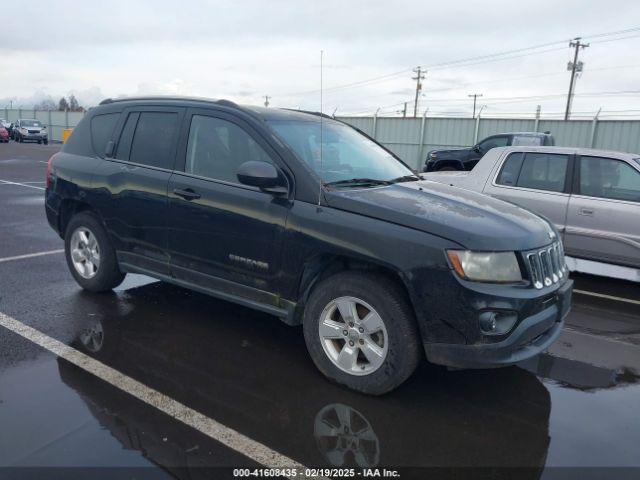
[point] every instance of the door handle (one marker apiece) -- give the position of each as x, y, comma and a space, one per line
586, 211
187, 194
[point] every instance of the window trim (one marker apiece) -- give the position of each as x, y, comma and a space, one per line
578, 171
181, 154
568, 181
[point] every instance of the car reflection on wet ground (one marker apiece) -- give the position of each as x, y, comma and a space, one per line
570, 413
251, 373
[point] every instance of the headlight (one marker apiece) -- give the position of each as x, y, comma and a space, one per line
432, 156
498, 267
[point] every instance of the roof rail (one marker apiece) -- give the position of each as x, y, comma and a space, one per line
317, 114
224, 102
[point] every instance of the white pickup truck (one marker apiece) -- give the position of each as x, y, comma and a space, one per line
592, 196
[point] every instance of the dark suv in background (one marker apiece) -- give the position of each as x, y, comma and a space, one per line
310, 220
466, 158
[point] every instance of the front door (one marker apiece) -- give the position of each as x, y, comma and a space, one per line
603, 220
224, 235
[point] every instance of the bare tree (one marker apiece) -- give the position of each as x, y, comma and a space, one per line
74, 106
63, 104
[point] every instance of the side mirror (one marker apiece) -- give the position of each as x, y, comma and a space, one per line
476, 148
262, 175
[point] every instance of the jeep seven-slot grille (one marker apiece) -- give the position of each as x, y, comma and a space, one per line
547, 265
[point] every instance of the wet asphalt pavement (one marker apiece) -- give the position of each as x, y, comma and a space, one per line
573, 412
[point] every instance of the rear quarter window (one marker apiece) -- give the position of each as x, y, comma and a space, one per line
102, 127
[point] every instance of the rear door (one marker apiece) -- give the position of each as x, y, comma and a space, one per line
223, 235
132, 185
603, 220
538, 181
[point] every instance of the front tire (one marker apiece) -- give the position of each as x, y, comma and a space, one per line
90, 255
381, 346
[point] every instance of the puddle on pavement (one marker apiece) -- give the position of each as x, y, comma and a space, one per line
579, 375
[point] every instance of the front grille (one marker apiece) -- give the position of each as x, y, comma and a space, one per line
546, 265
33, 131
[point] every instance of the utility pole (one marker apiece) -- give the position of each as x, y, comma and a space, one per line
575, 67
266, 100
404, 110
419, 76
475, 96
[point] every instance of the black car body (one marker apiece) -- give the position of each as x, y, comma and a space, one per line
466, 158
274, 245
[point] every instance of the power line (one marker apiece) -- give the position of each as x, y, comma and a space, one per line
465, 61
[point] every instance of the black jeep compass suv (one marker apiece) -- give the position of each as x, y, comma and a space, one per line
310, 220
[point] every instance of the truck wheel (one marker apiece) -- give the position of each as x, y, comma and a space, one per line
90, 255
361, 332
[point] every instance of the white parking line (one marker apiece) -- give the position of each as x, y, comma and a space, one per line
608, 297
7, 182
30, 255
213, 429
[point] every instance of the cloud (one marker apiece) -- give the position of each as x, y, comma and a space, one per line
244, 50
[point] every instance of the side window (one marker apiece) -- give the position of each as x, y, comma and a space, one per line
154, 138
609, 178
511, 169
101, 131
527, 140
493, 142
217, 147
544, 171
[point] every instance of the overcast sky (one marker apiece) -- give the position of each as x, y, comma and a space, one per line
242, 50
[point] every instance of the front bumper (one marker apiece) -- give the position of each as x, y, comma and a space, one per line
34, 136
531, 336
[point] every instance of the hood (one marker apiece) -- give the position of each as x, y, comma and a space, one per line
476, 221
450, 152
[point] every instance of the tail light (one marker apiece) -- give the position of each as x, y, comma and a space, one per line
47, 178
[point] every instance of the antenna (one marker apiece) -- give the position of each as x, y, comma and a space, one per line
321, 115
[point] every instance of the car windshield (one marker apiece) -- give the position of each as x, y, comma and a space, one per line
30, 123
348, 157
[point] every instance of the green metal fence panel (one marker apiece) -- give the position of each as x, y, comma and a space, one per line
402, 135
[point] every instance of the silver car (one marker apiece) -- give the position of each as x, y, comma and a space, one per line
592, 196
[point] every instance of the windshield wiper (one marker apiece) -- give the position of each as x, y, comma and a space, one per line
406, 178
357, 182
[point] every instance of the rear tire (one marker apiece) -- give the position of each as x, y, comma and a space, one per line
90, 255
377, 299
